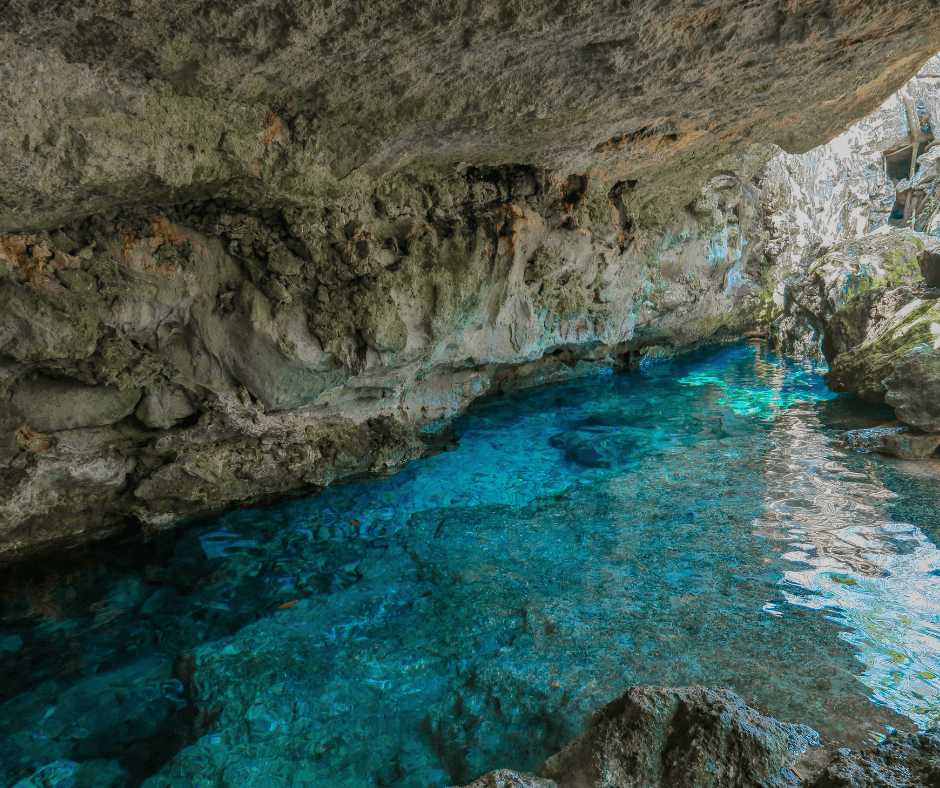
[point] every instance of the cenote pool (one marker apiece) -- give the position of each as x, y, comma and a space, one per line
689, 523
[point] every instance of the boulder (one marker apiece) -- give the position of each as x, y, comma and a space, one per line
902, 760
929, 262
884, 257
905, 342
686, 737
913, 388
51, 404
851, 323
902, 442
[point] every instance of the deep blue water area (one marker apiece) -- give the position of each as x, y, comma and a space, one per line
693, 522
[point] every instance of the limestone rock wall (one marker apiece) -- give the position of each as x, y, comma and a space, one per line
839, 192
159, 365
255, 247
294, 101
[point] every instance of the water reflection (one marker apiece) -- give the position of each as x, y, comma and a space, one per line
876, 577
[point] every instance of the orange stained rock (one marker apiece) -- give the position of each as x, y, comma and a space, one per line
271, 133
32, 440
164, 233
32, 257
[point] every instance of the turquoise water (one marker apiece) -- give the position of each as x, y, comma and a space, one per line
688, 523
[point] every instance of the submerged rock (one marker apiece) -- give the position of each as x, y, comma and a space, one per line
69, 774
504, 778
902, 442
687, 737
902, 760
119, 714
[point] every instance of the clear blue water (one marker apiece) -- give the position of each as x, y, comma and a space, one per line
688, 523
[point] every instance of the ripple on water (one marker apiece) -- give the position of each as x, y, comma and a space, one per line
474, 610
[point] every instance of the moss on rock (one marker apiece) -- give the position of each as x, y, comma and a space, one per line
906, 335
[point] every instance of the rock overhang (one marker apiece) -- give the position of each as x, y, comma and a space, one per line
294, 101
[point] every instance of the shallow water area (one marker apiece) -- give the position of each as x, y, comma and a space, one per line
688, 523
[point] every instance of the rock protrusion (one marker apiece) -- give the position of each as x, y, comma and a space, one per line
882, 258
903, 442
902, 760
164, 408
687, 737
929, 262
898, 361
50, 404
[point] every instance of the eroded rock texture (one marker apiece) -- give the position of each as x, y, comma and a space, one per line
883, 257
690, 737
897, 361
850, 186
902, 760
879, 326
659, 737
279, 101
257, 247
853, 257
729, 744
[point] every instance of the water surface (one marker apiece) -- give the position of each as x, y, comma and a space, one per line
688, 523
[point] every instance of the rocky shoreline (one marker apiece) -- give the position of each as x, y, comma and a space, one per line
232, 267
698, 737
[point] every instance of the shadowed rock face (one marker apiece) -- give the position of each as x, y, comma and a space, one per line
264, 245
689, 737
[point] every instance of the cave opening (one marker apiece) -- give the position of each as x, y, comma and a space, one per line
898, 162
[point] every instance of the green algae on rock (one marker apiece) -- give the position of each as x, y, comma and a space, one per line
885, 257
900, 344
